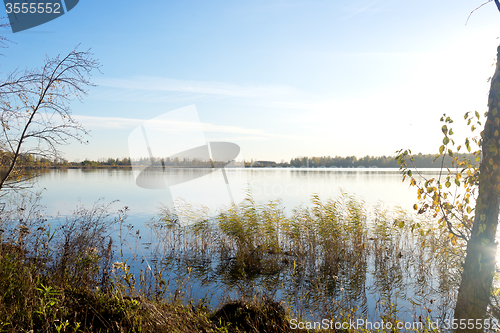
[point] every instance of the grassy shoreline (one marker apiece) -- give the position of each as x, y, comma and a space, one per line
76, 279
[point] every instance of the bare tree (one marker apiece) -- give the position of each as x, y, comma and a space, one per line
35, 114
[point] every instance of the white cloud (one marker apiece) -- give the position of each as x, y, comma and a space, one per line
240, 138
196, 87
181, 126
108, 122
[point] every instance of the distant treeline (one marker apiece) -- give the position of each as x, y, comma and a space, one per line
28, 161
420, 160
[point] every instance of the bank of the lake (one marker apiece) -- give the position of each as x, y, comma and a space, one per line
326, 263
321, 258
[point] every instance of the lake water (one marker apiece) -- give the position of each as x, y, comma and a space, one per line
63, 189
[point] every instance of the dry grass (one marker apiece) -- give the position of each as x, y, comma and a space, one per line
64, 280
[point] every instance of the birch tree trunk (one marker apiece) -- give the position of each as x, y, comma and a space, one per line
479, 268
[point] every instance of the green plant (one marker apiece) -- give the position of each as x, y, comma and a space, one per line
47, 303
62, 326
452, 194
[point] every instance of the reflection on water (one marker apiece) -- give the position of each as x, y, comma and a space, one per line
325, 261
66, 187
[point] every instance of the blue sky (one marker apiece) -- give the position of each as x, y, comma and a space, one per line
280, 78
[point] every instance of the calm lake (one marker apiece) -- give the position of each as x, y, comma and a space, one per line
381, 276
62, 189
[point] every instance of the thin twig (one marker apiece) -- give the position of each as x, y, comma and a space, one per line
496, 1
